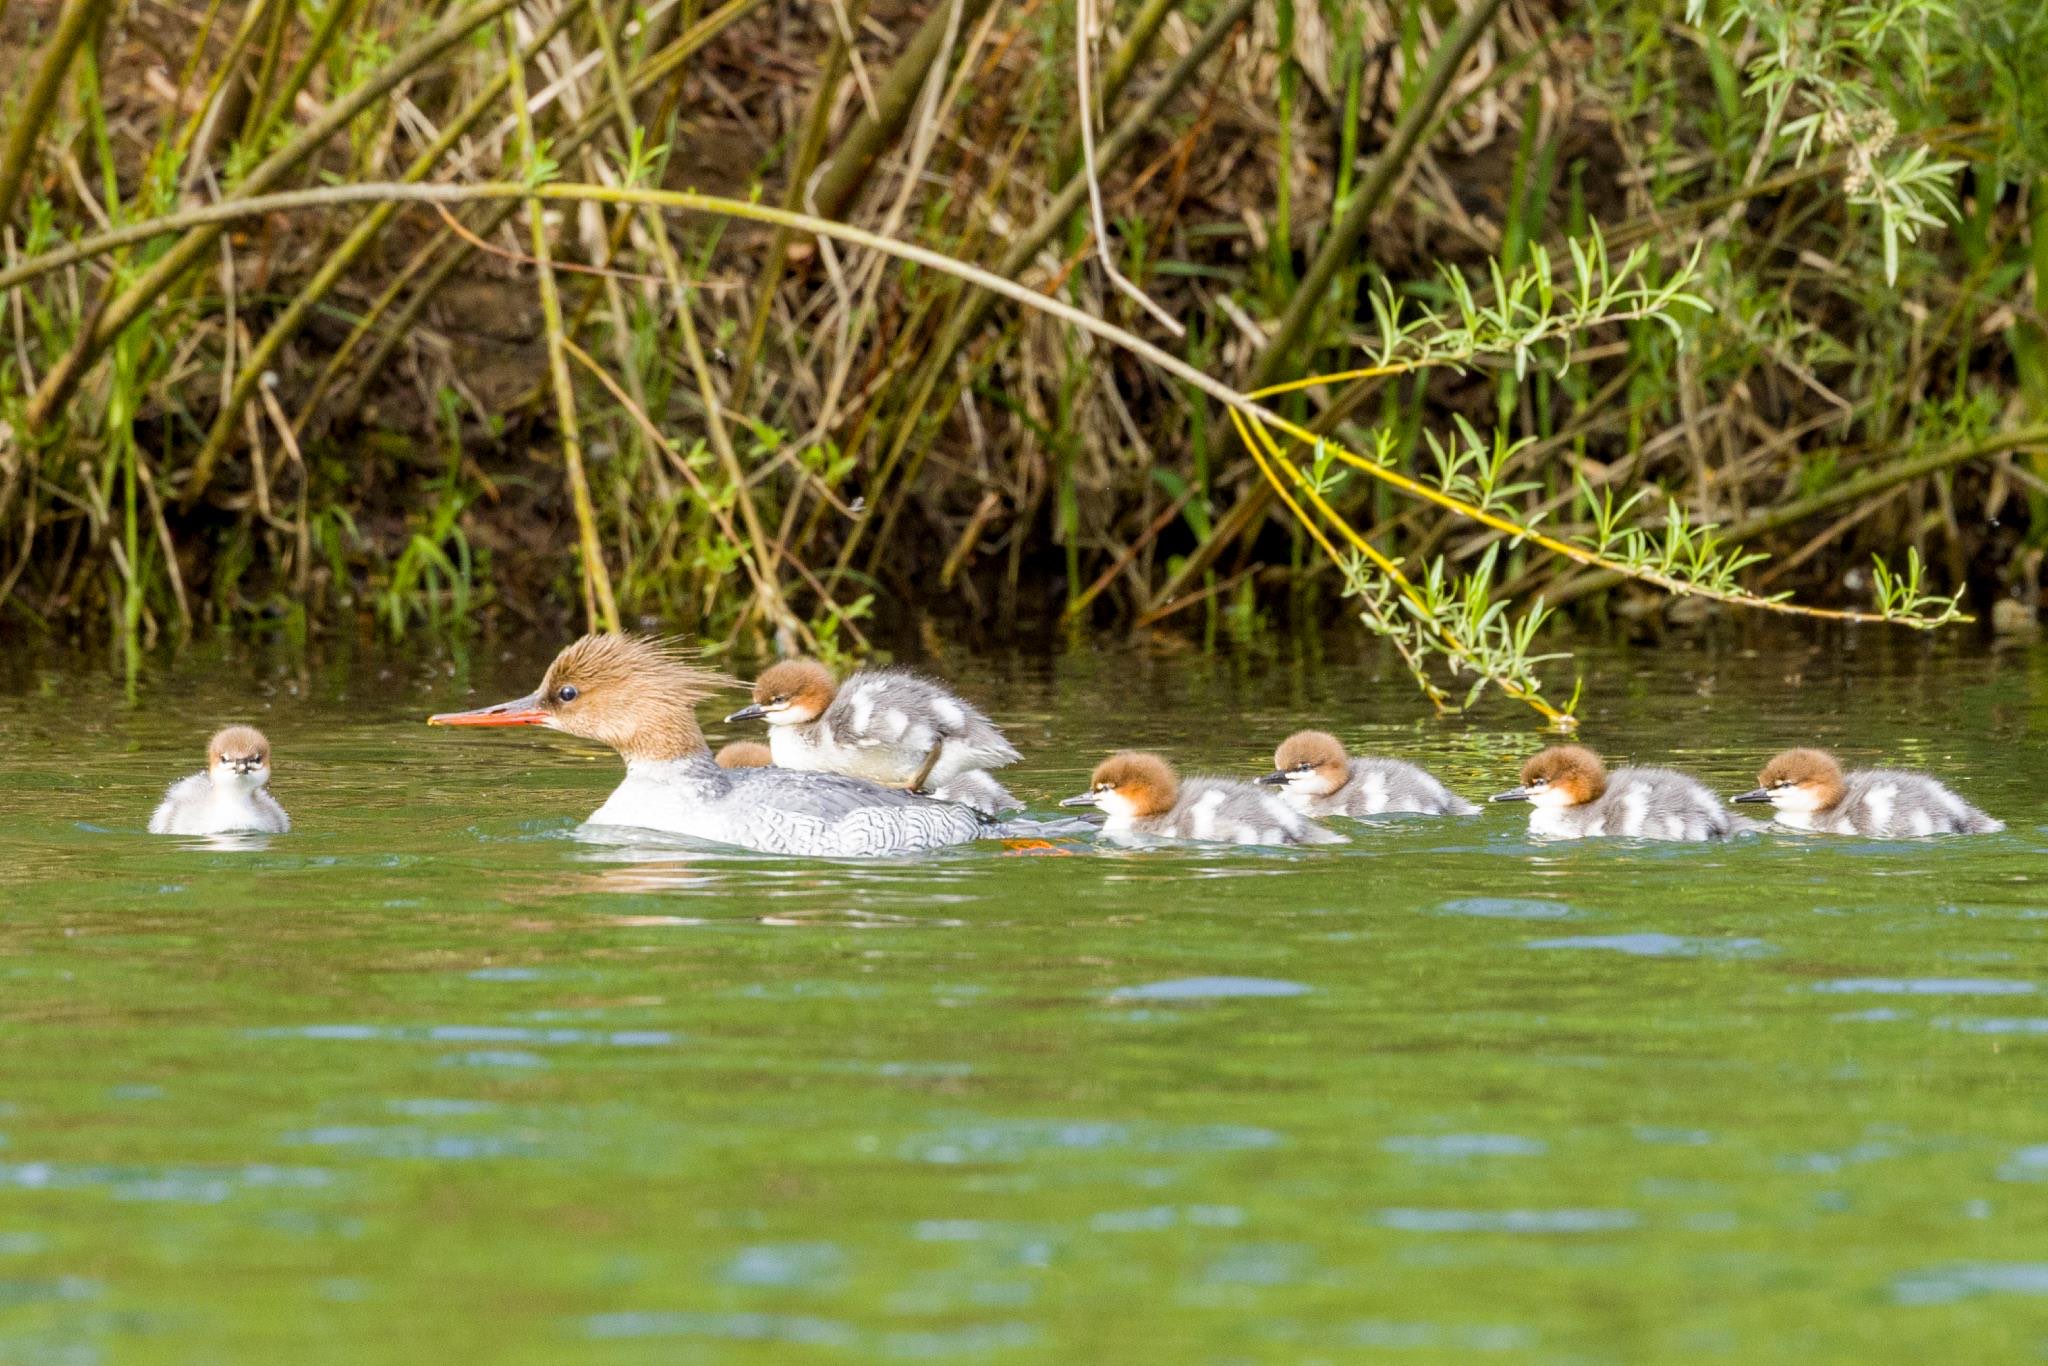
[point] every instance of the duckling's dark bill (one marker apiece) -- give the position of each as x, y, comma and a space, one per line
1761, 794
1513, 794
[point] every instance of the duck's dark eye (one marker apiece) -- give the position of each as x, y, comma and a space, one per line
566, 693
778, 699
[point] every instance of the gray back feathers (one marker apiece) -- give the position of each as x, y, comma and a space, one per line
1888, 804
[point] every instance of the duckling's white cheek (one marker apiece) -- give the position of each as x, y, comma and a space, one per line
1799, 800
1117, 805
1551, 799
1311, 785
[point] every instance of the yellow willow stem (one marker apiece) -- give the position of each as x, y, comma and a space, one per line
1436, 695
1562, 720
689, 201
1399, 367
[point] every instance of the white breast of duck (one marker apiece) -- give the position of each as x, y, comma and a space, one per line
194, 806
229, 797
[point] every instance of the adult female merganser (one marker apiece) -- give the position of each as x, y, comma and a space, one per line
639, 696
1318, 778
1142, 796
888, 725
229, 797
1810, 792
744, 754
1576, 797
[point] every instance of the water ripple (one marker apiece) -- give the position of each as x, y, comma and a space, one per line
1926, 986
1652, 945
617, 1038
1966, 1280
1209, 988
1014, 1140
1466, 1145
1509, 1220
194, 1185
1507, 908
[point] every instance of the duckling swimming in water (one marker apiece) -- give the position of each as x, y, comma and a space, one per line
886, 725
1810, 792
1317, 778
1143, 796
230, 796
1575, 797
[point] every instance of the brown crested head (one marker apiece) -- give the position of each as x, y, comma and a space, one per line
244, 747
1313, 751
1813, 769
795, 690
1571, 769
1146, 782
635, 693
746, 754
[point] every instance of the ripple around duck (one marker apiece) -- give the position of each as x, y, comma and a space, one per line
1926, 986
1210, 989
1653, 945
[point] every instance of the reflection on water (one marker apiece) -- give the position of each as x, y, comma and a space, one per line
441, 1074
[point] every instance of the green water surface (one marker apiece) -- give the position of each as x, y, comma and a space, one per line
434, 1079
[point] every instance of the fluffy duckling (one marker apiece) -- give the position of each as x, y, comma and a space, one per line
1810, 792
230, 796
744, 754
887, 725
1317, 778
1575, 797
1142, 796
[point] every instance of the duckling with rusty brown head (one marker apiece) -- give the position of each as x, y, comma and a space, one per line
1809, 791
1318, 778
1142, 795
1574, 796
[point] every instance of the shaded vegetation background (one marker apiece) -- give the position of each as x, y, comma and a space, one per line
414, 414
